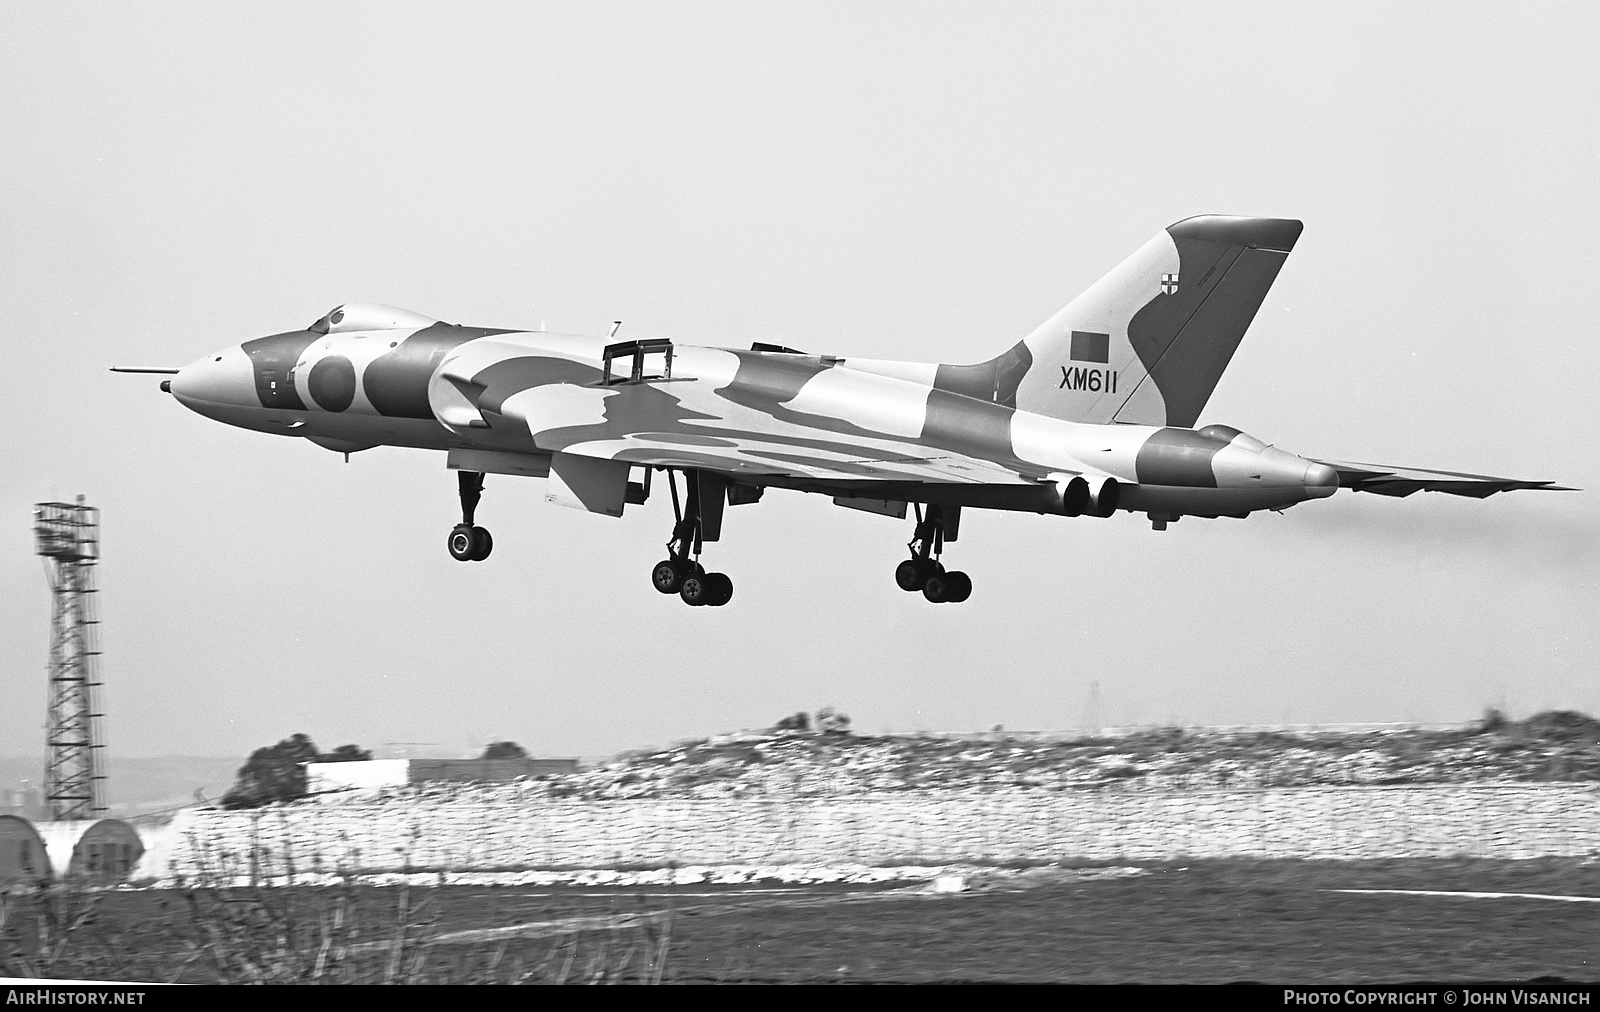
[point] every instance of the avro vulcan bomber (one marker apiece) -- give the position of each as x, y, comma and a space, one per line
1091, 413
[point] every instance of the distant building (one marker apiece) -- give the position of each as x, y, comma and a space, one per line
487, 770
24, 802
373, 774
22, 852
369, 774
102, 850
97, 850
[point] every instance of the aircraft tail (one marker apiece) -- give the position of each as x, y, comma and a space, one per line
1147, 343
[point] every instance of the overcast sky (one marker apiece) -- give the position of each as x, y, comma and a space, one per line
915, 181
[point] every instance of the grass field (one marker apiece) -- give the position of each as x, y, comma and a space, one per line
1206, 922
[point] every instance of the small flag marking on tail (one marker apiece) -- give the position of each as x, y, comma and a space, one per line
1088, 347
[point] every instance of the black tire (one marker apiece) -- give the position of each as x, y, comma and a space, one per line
721, 589
960, 587
937, 589
461, 543
696, 590
668, 575
912, 574
909, 576
483, 544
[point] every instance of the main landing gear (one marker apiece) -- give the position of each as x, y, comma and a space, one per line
681, 573
923, 571
468, 543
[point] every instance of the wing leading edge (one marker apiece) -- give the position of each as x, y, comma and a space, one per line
750, 456
1383, 479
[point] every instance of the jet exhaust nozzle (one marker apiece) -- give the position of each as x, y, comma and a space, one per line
1070, 495
1103, 496
1078, 494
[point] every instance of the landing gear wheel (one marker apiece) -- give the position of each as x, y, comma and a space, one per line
483, 544
912, 574
462, 544
721, 589
953, 587
678, 573
468, 542
668, 575
923, 571
959, 587
696, 590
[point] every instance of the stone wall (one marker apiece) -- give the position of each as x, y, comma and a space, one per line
900, 828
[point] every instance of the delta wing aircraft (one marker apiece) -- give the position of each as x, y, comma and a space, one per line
1091, 413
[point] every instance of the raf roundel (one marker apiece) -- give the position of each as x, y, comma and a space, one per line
333, 383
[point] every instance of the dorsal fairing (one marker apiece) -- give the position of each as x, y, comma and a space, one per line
362, 316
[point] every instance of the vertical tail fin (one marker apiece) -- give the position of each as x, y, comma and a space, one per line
1147, 343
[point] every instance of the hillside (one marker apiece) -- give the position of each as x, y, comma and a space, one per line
1557, 746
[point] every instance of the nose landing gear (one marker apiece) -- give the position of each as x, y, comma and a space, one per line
468, 543
923, 571
681, 573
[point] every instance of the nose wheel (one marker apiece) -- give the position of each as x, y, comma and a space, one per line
923, 571
469, 543
681, 572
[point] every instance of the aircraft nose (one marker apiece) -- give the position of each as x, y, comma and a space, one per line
224, 377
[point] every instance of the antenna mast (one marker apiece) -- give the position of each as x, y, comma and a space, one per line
68, 539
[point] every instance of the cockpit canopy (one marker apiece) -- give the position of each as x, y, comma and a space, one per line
357, 316
1228, 434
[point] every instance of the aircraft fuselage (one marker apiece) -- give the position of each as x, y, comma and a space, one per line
1092, 412
838, 426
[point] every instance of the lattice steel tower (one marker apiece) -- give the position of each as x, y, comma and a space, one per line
68, 538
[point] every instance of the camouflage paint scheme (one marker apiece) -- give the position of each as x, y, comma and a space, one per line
1093, 409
